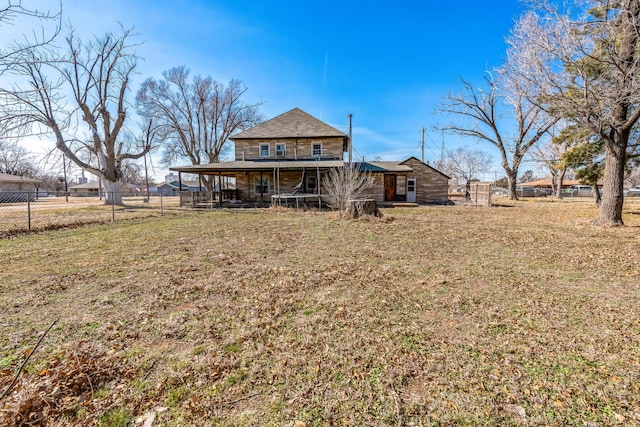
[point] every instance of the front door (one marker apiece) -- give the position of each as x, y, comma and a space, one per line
411, 190
389, 188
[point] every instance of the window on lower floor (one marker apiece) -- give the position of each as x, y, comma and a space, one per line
262, 185
312, 183
401, 186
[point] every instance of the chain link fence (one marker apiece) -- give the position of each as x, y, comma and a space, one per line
32, 211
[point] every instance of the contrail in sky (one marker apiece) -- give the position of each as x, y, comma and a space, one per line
324, 80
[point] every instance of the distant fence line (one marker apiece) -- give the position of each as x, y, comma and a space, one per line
31, 210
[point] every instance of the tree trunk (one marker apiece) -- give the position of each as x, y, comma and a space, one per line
512, 183
597, 197
112, 193
559, 184
209, 185
618, 141
613, 185
364, 207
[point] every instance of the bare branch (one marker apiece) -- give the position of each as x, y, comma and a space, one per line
196, 115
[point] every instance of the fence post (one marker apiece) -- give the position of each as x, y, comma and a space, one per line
29, 211
161, 208
113, 207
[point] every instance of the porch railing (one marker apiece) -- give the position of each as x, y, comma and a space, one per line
203, 199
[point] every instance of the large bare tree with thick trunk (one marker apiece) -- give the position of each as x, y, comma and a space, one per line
82, 86
583, 64
489, 114
196, 115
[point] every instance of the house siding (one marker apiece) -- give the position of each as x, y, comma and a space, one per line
16, 187
431, 185
288, 180
296, 149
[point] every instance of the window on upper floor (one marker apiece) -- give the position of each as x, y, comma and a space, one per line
264, 150
316, 149
281, 150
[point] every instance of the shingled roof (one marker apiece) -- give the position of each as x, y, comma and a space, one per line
16, 179
292, 124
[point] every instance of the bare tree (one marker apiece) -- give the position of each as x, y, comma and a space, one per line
55, 93
465, 164
16, 160
133, 173
550, 155
486, 113
584, 66
195, 115
45, 26
341, 186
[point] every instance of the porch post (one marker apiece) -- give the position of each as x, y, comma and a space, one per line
220, 187
274, 182
318, 184
261, 188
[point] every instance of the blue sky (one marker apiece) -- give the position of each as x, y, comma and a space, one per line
387, 63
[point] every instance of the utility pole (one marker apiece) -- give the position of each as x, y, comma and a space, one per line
64, 169
350, 143
422, 145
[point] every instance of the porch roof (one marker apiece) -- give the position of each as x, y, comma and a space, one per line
257, 165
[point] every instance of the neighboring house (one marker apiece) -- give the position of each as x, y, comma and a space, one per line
289, 155
9, 182
546, 183
94, 189
15, 188
169, 189
88, 189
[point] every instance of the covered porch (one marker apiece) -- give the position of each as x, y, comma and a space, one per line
258, 183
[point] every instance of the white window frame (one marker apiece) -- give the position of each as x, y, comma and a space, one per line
411, 185
281, 150
268, 150
265, 185
313, 151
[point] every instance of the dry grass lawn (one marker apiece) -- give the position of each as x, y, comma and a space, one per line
523, 314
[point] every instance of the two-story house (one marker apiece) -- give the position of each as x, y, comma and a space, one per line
289, 154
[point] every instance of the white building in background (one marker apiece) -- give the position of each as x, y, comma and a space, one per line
172, 177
